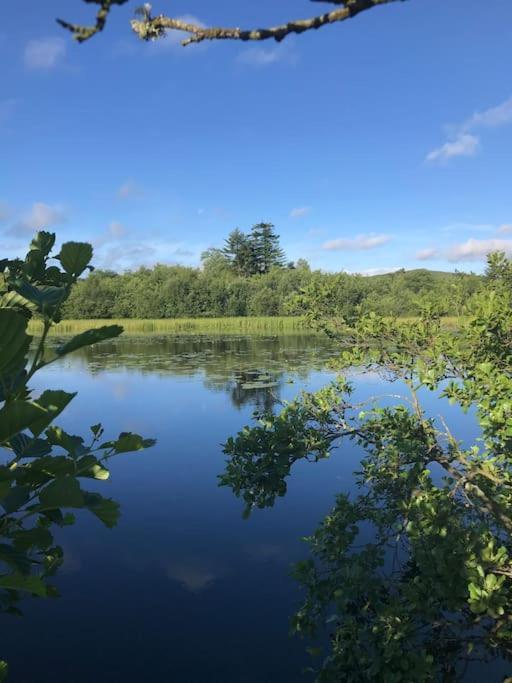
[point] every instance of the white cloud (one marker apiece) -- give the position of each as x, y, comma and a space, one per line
284, 53
40, 217
129, 190
464, 145
45, 53
505, 229
426, 254
465, 142
300, 211
369, 272
476, 250
114, 252
360, 242
490, 118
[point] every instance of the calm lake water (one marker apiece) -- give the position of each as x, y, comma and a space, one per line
183, 589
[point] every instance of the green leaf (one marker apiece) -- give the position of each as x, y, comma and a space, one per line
43, 241
88, 466
15, 498
27, 584
128, 442
58, 437
25, 446
62, 492
45, 298
75, 257
54, 403
14, 341
4, 670
13, 299
14, 558
38, 537
16, 416
106, 509
89, 337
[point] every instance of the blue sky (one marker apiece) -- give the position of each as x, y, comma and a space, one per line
379, 143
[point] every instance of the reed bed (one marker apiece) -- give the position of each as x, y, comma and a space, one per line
245, 325
241, 325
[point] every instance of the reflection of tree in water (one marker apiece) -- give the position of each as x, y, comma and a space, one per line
250, 369
248, 388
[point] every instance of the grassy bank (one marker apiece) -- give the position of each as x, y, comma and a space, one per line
245, 325
274, 325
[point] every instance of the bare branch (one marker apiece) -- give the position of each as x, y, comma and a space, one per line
149, 27
83, 33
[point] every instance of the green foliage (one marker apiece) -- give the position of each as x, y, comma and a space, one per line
42, 468
247, 278
411, 576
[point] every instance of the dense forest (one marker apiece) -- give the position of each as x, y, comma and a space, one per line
251, 276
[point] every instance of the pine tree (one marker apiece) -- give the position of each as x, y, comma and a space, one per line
265, 247
238, 250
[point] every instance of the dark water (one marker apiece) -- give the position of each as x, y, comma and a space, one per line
183, 589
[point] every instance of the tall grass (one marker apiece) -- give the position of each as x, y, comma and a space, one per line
246, 325
242, 325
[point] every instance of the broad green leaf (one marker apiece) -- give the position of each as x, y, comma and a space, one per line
106, 509
88, 466
25, 446
26, 584
62, 492
54, 403
17, 416
45, 298
89, 337
75, 257
128, 442
13, 299
38, 537
58, 437
14, 341
43, 241
14, 558
15, 498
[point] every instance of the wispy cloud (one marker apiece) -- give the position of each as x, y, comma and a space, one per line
464, 145
300, 211
129, 190
358, 243
41, 216
470, 250
369, 272
114, 251
505, 229
475, 250
284, 53
44, 54
464, 142
426, 254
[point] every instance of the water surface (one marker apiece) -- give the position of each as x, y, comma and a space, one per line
183, 589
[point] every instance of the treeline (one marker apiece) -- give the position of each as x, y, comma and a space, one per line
215, 290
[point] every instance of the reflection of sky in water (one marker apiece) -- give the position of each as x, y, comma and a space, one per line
183, 589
